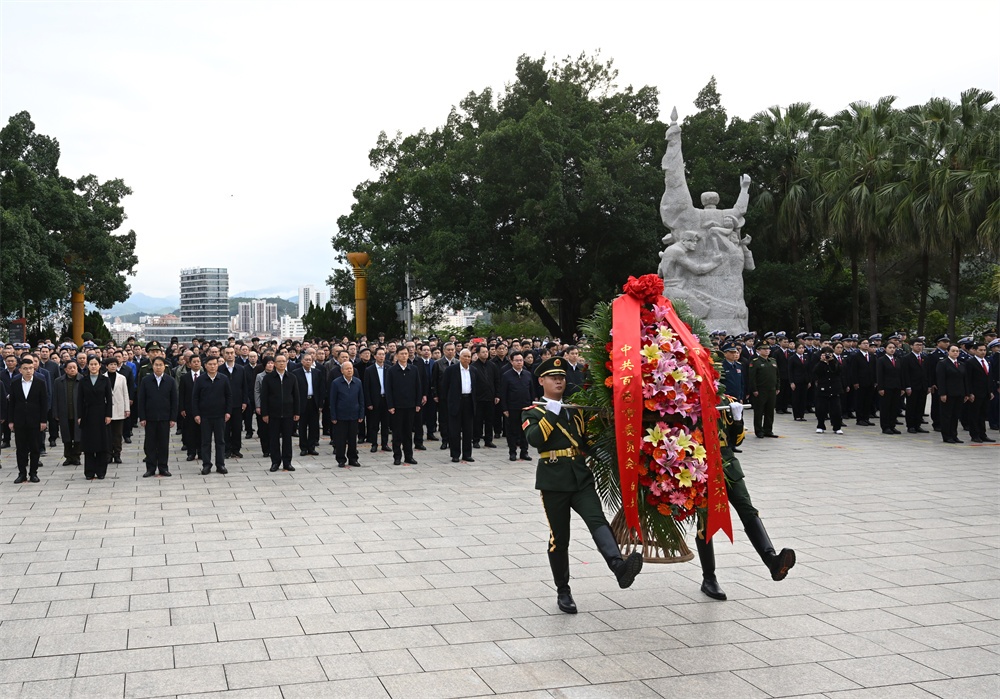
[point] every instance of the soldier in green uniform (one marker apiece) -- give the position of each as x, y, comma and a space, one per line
730, 435
562, 476
764, 388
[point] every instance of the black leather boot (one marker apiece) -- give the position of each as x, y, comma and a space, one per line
624, 569
559, 562
778, 563
706, 556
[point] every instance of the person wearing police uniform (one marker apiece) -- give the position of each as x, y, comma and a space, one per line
739, 497
780, 354
566, 483
939, 354
914, 374
763, 386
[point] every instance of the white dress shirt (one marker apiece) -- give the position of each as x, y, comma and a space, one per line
466, 380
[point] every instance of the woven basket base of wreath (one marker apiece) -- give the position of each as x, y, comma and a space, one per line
653, 550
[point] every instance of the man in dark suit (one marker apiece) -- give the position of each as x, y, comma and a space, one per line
157, 406
280, 403
7, 376
888, 379
65, 409
191, 434
951, 389
429, 411
978, 384
239, 384
27, 410
312, 393
799, 377
517, 391
863, 377
939, 355
437, 381
377, 417
420, 364
460, 386
212, 404
487, 396
914, 376
404, 396
347, 410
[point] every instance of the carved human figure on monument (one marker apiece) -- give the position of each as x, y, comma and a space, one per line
711, 280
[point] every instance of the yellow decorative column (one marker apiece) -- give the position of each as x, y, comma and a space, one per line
77, 308
359, 263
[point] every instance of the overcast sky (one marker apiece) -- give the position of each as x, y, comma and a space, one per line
243, 127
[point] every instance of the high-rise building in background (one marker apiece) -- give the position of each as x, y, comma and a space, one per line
258, 317
312, 294
205, 301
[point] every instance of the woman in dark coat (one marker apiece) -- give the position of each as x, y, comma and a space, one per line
94, 418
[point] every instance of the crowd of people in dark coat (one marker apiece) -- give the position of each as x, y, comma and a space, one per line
850, 377
465, 395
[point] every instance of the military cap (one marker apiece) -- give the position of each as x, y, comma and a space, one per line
768, 335
750, 335
801, 336
920, 338
817, 336
154, 345
895, 337
902, 332
836, 337
992, 344
780, 334
990, 333
943, 338
874, 336
730, 347
853, 337
764, 347
88, 345
966, 341
553, 366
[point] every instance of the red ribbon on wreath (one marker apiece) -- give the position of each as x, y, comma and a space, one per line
626, 335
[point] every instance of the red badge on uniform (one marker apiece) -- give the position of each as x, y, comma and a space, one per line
525, 424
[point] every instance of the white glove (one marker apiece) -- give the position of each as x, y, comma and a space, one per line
554, 406
737, 411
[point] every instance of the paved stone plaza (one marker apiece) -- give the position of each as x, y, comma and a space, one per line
432, 582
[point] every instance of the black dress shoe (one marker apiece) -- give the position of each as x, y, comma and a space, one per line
420, 448
491, 445
128, 440
895, 431
385, 448
469, 460
221, 469
275, 467
374, 448
513, 457
192, 457
921, 430
712, 589
313, 452
20, 479
475, 445
165, 473
888, 432
525, 457
289, 467
303, 452
444, 445
149, 474
341, 465
976, 441
412, 462
432, 438
354, 464
772, 435
758, 435
206, 470
236, 455
396, 462
455, 461
34, 479
987, 439
116, 460
566, 603
68, 462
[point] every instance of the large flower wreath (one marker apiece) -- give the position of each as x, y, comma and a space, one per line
655, 459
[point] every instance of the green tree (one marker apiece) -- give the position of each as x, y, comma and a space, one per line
326, 322
58, 234
547, 195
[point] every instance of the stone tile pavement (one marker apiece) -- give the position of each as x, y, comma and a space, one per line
431, 582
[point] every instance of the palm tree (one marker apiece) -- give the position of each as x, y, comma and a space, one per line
786, 201
861, 145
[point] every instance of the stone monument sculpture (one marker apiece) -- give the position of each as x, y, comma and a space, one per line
706, 252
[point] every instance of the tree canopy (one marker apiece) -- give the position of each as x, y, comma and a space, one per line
58, 233
546, 194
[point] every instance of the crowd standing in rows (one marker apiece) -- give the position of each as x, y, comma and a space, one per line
218, 394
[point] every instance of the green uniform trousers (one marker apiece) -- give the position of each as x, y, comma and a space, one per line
557, 506
763, 411
736, 488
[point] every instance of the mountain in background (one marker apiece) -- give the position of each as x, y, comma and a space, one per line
285, 306
142, 303
269, 292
